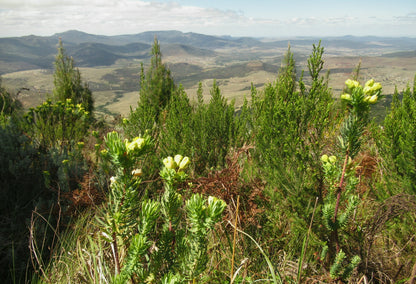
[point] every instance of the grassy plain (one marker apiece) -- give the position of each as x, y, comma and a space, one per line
116, 87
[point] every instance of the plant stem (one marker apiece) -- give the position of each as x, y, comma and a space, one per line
339, 191
234, 239
115, 252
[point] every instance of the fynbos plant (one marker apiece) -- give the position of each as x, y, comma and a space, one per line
155, 240
340, 202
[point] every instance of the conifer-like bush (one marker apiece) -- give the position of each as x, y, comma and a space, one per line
398, 143
68, 83
291, 121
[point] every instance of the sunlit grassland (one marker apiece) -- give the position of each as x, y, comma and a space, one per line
115, 88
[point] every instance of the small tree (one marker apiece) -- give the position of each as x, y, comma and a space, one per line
68, 83
156, 89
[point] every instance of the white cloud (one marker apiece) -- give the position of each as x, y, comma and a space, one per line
110, 17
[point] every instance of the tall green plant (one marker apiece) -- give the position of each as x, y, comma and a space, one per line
156, 89
205, 132
292, 121
341, 199
177, 132
68, 83
214, 126
398, 139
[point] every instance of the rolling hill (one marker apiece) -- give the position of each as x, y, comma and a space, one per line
36, 52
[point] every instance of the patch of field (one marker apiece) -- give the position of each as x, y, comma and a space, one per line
390, 72
234, 88
123, 103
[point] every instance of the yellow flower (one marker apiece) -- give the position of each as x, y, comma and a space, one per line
352, 84
369, 83
169, 163
332, 159
324, 158
346, 97
136, 144
371, 88
373, 99
178, 158
377, 86
184, 163
137, 172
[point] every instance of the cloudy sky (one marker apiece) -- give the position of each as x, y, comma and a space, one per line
261, 18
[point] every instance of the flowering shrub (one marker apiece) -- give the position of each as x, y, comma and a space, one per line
340, 178
164, 239
59, 124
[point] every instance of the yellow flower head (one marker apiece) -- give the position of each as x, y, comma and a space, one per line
352, 84
371, 88
136, 144
184, 163
169, 163
346, 97
324, 158
369, 83
137, 172
373, 99
178, 158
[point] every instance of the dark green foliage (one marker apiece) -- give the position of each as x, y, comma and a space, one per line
177, 133
21, 188
68, 83
8, 103
398, 139
214, 128
291, 124
204, 132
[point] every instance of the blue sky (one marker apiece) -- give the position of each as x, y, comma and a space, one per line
260, 18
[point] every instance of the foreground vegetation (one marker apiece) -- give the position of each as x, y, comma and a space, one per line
294, 187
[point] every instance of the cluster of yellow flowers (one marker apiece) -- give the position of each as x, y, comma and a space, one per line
178, 162
371, 90
330, 159
134, 145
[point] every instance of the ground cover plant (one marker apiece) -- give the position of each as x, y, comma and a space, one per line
299, 185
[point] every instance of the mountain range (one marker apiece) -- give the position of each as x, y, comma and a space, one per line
88, 50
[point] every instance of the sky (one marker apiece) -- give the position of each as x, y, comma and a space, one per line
254, 18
